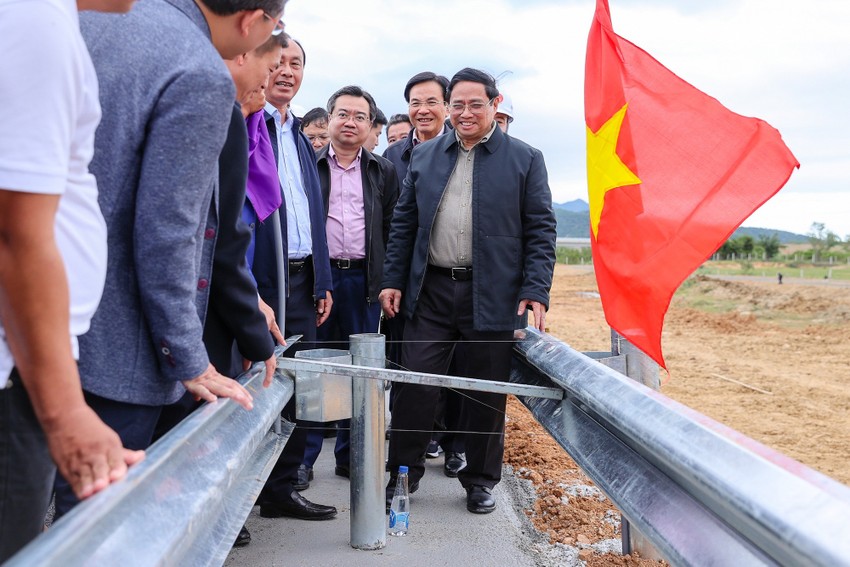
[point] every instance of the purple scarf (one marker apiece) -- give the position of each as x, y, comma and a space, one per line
263, 188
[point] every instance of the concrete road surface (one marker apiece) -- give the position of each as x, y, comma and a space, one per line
442, 532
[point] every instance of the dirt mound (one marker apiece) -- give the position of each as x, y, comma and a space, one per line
568, 508
734, 322
828, 305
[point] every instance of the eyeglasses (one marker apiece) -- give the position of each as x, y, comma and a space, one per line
430, 103
359, 118
278, 27
474, 107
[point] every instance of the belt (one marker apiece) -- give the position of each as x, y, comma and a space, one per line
458, 274
348, 264
296, 266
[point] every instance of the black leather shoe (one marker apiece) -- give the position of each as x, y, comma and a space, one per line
243, 539
455, 462
479, 499
342, 470
302, 481
411, 488
296, 506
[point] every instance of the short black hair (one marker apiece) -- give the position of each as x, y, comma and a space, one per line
398, 118
354, 90
475, 76
380, 118
424, 77
272, 42
317, 115
287, 38
227, 7
281, 39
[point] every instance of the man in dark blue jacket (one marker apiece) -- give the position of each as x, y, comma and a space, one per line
425, 94
308, 280
471, 248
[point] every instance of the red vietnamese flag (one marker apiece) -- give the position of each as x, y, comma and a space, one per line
671, 174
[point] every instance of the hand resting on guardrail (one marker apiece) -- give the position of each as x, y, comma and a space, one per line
211, 385
86, 451
539, 311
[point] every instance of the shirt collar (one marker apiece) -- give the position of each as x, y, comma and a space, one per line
416, 140
482, 140
283, 124
332, 155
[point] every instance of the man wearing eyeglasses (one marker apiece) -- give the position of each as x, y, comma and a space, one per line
471, 249
425, 94
359, 191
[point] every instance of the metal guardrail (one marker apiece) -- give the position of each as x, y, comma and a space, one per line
185, 503
702, 493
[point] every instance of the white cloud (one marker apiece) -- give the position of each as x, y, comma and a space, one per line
785, 62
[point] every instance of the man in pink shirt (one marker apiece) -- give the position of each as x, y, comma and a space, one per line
359, 190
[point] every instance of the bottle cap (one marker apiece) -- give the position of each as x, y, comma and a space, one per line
402, 469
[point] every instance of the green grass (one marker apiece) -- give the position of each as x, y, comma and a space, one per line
770, 270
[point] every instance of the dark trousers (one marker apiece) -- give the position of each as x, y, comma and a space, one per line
449, 412
300, 320
444, 317
133, 423
26, 470
351, 314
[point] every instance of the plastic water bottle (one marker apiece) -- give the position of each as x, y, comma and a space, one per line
400, 507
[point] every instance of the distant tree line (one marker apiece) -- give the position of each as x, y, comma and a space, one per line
767, 247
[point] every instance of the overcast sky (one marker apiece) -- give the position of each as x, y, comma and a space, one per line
785, 62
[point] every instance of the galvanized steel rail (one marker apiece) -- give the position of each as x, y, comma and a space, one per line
185, 503
703, 494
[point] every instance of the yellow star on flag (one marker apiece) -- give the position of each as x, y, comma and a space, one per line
605, 169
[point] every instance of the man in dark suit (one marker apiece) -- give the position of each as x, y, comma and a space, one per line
308, 280
359, 191
471, 248
425, 94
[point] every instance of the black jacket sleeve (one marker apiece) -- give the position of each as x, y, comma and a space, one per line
234, 313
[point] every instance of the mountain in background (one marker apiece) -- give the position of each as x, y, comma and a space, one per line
785, 237
573, 219
574, 222
576, 206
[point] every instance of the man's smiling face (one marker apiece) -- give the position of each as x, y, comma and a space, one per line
428, 120
285, 82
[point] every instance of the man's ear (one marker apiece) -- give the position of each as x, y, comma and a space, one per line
240, 59
247, 20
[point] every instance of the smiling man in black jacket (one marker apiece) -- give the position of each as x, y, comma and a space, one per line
359, 191
471, 248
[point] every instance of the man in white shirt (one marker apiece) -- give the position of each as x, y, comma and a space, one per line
52, 264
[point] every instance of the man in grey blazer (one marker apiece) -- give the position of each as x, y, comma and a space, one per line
167, 98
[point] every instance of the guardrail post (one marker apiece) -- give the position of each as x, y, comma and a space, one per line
368, 529
641, 368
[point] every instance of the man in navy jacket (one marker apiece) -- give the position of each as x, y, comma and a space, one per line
471, 248
308, 279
